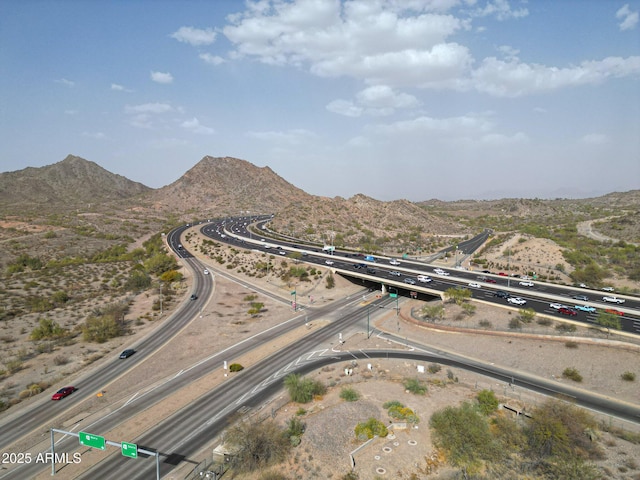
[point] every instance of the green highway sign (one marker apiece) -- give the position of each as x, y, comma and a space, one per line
129, 450
90, 440
293, 293
393, 295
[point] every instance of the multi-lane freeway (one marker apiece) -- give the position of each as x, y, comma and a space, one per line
183, 434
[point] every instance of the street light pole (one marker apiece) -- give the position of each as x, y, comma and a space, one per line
368, 332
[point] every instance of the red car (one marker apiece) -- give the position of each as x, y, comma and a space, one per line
490, 280
568, 311
63, 392
614, 311
502, 274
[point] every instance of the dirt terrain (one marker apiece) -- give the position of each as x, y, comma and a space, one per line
329, 440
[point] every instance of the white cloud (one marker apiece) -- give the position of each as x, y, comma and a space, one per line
512, 79
344, 107
467, 125
501, 9
120, 88
148, 108
160, 77
629, 18
194, 36
194, 126
64, 81
211, 59
383, 96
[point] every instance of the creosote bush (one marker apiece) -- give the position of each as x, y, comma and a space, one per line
572, 374
349, 394
415, 386
628, 376
235, 367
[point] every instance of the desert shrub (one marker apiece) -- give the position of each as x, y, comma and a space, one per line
628, 376
100, 329
566, 327
487, 402
526, 315
60, 360
370, 428
47, 328
302, 390
545, 322
235, 367
301, 411
331, 282
273, 475
451, 376
515, 324
571, 344
400, 412
485, 324
349, 394
465, 437
415, 386
250, 298
434, 368
14, 365
391, 403
257, 445
572, 373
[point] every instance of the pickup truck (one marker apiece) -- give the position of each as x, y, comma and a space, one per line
611, 299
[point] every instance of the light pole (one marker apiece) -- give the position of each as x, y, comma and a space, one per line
368, 331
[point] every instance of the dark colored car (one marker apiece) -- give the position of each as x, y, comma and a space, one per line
490, 280
501, 294
193, 296
63, 392
127, 353
568, 311
371, 271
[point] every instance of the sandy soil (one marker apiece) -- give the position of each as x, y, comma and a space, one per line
326, 447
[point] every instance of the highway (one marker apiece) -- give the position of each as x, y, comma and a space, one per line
241, 233
183, 434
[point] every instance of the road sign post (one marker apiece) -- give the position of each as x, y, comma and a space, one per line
90, 440
295, 301
129, 450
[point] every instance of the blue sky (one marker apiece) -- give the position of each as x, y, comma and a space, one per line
414, 99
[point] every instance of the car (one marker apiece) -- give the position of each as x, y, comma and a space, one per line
394, 262
474, 285
63, 392
568, 311
206, 272
490, 280
127, 353
371, 271
585, 308
517, 300
486, 271
608, 289
439, 271
502, 274
557, 306
410, 281
526, 284
282, 252
395, 273
583, 285
611, 299
193, 296
584, 298
501, 294
329, 262
613, 311
424, 278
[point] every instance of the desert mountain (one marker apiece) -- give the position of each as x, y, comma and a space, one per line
72, 182
228, 185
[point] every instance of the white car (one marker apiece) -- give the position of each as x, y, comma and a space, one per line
395, 273
394, 262
206, 272
474, 285
410, 281
526, 284
423, 278
608, 289
439, 271
517, 300
282, 252
611, 299
557, 306
329, 262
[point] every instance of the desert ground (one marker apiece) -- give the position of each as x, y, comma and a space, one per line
329, 440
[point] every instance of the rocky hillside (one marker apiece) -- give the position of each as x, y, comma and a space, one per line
73, 182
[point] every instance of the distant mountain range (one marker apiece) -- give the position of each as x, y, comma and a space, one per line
230, 186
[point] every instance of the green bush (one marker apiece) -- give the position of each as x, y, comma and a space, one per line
415, 386
235, 367
572, 374
571, 344
566, 327
370, 428
392, 403
434, 368
487, 402
349, 394
302, 390
628, 376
